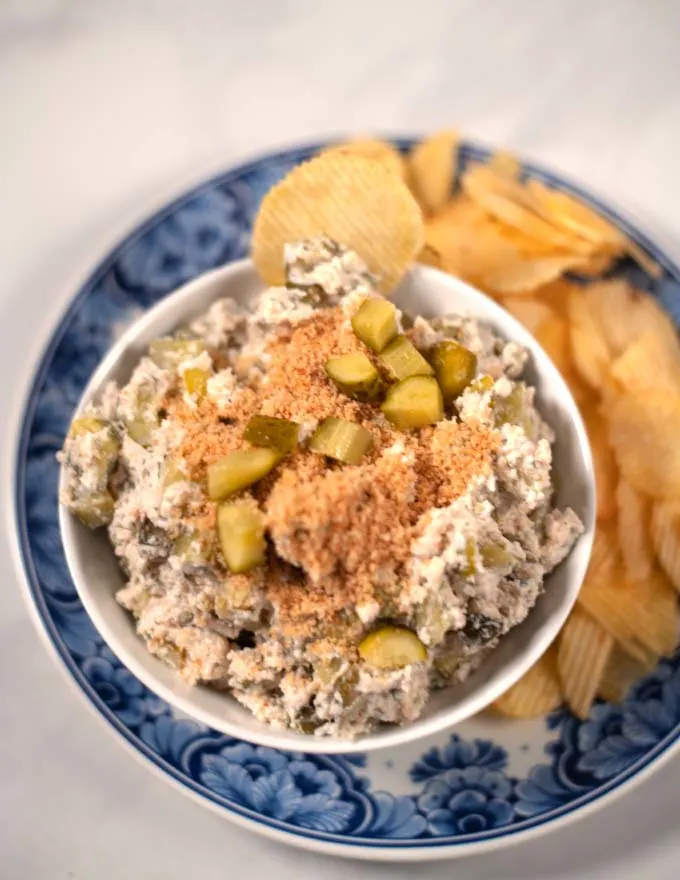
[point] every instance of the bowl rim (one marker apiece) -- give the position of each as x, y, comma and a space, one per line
389, 736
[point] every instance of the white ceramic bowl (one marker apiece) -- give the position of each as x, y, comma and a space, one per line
427, 292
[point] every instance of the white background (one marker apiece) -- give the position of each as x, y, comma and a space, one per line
106, 108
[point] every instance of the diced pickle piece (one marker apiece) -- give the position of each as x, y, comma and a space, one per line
107, 446
196, 382
454, 366
278, 434
86, 425
194, 548
495, 555
141, 430
239, 469
469, 568
354, 375
431, 618
240, 527
392, 647
306, 723
414, 403
447, 665
403, 359
513, 410
375, 323
346, 686
328, 673
94, 509
510, 409
173, 474
342, 440
481, 384
168, 353
327, 670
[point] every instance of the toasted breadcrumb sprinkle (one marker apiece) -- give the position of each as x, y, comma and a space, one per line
343, 533
351, 529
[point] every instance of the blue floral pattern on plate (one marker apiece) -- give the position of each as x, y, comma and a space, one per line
457, 792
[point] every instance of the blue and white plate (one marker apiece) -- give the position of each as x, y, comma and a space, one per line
487, 784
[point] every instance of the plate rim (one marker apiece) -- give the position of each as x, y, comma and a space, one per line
20, 413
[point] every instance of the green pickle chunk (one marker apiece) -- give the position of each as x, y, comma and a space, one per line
173, 474
194, 548
414, 403
402, 359
240, 528
342, 440
447, 665
168, 353
454, 366
481, 384
141, 430
196, 382
469, 569
346, 686
238, 470
354, 375
94, 509
273, 433
509, 410
513, 410
495, 555
86, 425
375, 323
392, 647
107, 446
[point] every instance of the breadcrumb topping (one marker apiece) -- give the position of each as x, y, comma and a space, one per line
345, 531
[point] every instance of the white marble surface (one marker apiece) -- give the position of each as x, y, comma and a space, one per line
106, 108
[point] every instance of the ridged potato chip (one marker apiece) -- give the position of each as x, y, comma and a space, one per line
582, 392
356, 201
532, 313
597, 265
610, 599
589, 348
625, 314
635, 541
536, 693
556, 294
431, 170
494, 179
665, 528
528, 247
606, 471
659, 622
508, 201
430, 256
504, 164
647, 364
621, 673
643, 260
524, 275
469, 245
379, 150
643, 429
553, 336
640, 615
571, 215
605, 557
583, 649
